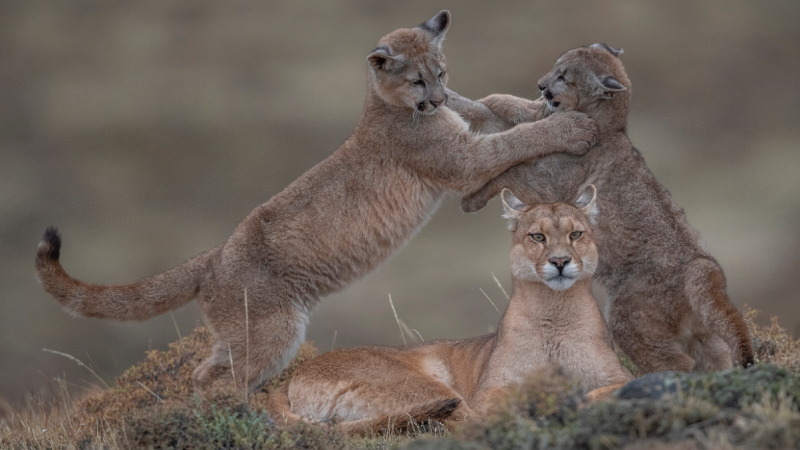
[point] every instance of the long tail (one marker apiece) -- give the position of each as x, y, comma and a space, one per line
136, 301
438, 410
705, 287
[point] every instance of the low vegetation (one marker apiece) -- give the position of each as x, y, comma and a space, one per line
152, 406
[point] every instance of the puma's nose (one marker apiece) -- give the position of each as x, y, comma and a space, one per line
560, 262
541, 88
436, 103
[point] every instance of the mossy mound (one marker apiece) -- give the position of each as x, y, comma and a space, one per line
748, 408
224, 421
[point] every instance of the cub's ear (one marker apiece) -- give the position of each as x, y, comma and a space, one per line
607, 86
381, 59
614, 51
437, 26
587, 203
513, 207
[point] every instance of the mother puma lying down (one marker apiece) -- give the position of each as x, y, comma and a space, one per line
552, 320
668, 306
335, 223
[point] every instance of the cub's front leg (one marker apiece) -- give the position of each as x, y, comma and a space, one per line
474, 159
516, 110
497, 112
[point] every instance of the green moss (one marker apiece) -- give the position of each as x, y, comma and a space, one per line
755, 407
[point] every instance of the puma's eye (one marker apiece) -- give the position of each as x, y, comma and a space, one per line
575, 235
560, 78
538, 237
441, 74
418, 83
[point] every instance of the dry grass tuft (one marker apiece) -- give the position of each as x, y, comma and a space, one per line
153, 405
773, 344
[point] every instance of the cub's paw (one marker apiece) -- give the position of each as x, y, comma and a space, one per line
575, 132
474, 202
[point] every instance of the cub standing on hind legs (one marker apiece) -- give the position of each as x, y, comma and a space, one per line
669, 309
335, 223
552, 320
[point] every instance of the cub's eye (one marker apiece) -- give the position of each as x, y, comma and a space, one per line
575, 235
418, 83
538, 237
560, 78
441, 74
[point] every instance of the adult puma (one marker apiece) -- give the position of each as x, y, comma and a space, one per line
669, 309
335, 223
552, 320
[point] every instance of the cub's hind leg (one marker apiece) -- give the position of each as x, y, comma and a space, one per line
259, 351
646, 339
712, 353
704, 287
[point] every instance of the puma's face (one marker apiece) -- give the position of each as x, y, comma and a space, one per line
408, 68
553, 243
582, 77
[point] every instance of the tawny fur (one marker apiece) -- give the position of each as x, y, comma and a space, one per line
542, 327
335, 223
668, 304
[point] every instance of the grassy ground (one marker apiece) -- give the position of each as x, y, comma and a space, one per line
152, 406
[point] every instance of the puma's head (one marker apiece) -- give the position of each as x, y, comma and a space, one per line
408, 69
553, 243
588, 79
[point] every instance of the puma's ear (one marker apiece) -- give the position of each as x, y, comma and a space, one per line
587, 203
513, 207
437, 26
607, 86
381, 59
614, 51
611, 84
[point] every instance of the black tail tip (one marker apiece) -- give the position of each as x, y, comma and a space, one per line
50, 247
445, 408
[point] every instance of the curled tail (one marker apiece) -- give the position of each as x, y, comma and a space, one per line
705, 287
136, 301
438, 410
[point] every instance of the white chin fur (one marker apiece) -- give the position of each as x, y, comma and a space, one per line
560, 283
556, 282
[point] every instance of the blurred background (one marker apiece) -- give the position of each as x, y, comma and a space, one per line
146, 130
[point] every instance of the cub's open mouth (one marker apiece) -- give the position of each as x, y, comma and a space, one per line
553, 106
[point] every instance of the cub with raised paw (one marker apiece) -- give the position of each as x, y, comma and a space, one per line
669, 309
334, 224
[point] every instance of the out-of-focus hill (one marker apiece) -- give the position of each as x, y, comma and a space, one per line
147, 130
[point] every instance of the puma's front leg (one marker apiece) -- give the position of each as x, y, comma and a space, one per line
603, 393
489, 401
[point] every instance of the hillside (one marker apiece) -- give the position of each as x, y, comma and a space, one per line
152, 406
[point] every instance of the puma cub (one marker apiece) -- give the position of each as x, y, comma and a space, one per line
669, 309
552, 319
335, 223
